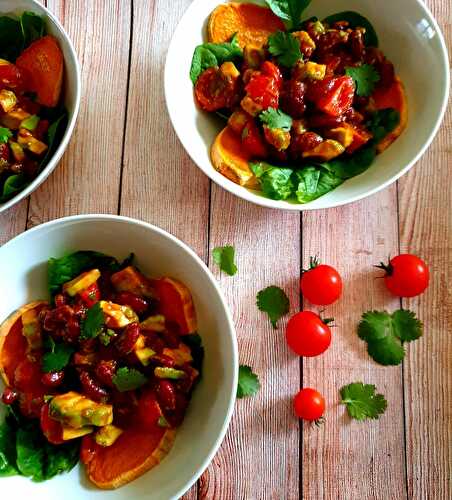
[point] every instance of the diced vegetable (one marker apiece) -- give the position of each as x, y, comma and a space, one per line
31, 329
82, 282
71, 433
325, 151
131, 280
117, 316
8, 100
107, 435
171, 373
155, 323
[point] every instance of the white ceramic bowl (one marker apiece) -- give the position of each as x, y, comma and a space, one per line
409, 36
23, 279
71, 85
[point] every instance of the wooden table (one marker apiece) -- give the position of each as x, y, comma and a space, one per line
125, 158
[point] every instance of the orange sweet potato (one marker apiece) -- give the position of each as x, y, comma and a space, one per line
252, 23
176, 304
135, 452
43, 64
393, 97
13, 345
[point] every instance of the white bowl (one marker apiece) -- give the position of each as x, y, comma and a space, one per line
23, 279
71, 85
409, 36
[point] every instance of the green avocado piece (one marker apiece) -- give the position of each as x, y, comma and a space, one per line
172, 373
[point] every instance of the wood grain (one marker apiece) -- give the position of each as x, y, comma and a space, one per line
259, 458
345, 458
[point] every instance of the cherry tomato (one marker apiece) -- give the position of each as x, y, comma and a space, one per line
406, 275
321, 284
271, 70
52, 429
333, 95
252, 141
263, 90
213, 91
309, 404
307, 335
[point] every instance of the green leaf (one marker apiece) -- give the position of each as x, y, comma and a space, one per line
93, 323
30, 454
61, 458
32, 27
362, 401
289, 10
356, 20
194, 342
55, 135
57, 356
224, 258
7, 449
248, 383
385, 334
285, 47
276, 119
276, 182
274, 302
13, 185
5, 134
128, 379
383, 122
314, 182
11, 39
208, 55
346, 167
365, 78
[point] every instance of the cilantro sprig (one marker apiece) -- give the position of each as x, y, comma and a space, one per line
386, 333
57, 356
273, 301
5, 134
365, 78
362, 401
224, 258
128, 379
275, 118
285, 47
93, 323
248, 384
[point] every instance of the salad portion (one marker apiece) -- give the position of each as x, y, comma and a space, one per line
308, 104
104, 371
32, 117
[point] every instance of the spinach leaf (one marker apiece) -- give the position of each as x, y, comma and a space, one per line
356, 20
54, 136
289, 10
213, 54
61, 458
13, 184
383, 122
314, 182
7, 449
30, 453
32, 27
276, 182
194, 342
11, 39
346, 167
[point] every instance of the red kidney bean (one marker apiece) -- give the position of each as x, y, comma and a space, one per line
127, 340
171, 339
9, 396
331, 40
163, 360
176, 416
166, 395
92, 389
154, 342
60, 300
322, 120
357, 44
79, 309
105, 372
137, 303
58, 318
292, 99
72, 330
304, 142
53, 379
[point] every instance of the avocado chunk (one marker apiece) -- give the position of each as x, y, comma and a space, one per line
143, 353
75, 410
180, 356
71, 433
81, 282
154, 323
107, 435
172, 373
31, 329
117, 316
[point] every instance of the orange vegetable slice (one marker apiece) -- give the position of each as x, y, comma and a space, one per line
13, 345
176, 304
231, 160
252, 23
135, 452
43, 63
392, 97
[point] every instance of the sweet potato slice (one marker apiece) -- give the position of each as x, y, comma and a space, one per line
135, 452
43, 63
176, 304
393, 97
252, 23
231, 160
13, 345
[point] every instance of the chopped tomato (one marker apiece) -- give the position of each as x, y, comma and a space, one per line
271, 70
149, 410
263, 90
333, 96
213, 91
52, 429
253, 142
360, 137
91, 295
10, 76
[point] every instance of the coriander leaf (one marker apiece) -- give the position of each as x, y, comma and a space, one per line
57, 356
275, 118
356, 20
128, 379
213, 54
365, 78
13, 185
274, 302
5, 134
385, 334
32, 27
383, 122
248, 383
93, 323
194, 342
313, 182
224, 258
289, 10
362, 402
285, 47
30, 453
7, 449
276, 183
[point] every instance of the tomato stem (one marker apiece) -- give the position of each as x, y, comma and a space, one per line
387, 268
313, 263
320, 421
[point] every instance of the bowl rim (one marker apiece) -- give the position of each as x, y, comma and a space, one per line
246, 194
50, 167
86, 218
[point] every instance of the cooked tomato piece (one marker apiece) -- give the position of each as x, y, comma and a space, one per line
149, 410
263, 90
252, 141
333, 96
51, 429
91, 295
10, 76
271, 70
214, 91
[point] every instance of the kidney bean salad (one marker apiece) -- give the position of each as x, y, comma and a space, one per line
114, 356
32, 116
309, 104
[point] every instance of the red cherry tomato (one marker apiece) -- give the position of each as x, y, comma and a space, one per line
309, 404
307, 335
252, 141
406, 275
333, 95
263, 90
321, 285
271, 70
52, 429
